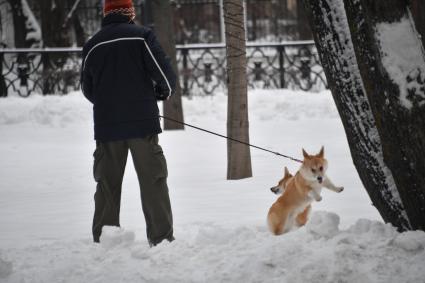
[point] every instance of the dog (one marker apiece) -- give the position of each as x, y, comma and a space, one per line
280, 188
292, 208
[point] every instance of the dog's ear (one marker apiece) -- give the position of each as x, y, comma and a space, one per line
287, 172
321, 154
305, 154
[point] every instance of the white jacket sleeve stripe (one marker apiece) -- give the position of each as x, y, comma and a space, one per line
109, 41
162, 73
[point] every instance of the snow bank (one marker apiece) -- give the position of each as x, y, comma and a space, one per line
46, 202
368, 251
6, 268
55, 110
115, 236
323, 224
271, 105
410, 241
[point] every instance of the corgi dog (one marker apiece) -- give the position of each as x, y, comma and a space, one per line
292, 208
281, 185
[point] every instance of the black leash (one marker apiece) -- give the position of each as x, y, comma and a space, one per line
226, 137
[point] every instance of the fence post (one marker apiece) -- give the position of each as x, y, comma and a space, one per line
46, 72
185, 53
3, 88
281, 51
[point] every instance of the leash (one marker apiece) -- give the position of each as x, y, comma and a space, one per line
232, 139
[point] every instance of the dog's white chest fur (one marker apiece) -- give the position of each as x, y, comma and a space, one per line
316, 189
302, 207
291, 221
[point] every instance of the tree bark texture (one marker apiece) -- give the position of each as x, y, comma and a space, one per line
304, 31
20, 31
75, 22
238, 155
54, 34
332, 37
418, 12
162, 14
3, 89
400, 119
53, 14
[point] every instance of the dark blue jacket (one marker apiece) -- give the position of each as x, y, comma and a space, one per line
121, 64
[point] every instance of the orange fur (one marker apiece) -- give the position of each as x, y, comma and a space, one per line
292, 208
303, 216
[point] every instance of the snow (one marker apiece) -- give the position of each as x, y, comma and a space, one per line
323, 224
115, 236
403, 58
46, 202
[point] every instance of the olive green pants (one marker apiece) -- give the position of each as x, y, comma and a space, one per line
110, 159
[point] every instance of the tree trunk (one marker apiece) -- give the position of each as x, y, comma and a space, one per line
53, 15
79, 30
418, 12
3, 88
22, 27
332, 36
391, 61
55, 34
74, 20
20, 31
162, 14
238, 155
304, 31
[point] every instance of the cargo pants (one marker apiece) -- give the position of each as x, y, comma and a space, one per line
110, 159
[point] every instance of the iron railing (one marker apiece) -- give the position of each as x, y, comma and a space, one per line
202, 68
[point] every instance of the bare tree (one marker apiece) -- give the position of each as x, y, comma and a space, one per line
19, 19
391, 61
238, 155
162, 14
333, 40
418, 12
53, 16
383, 114
55, 34
3, 89
72, 19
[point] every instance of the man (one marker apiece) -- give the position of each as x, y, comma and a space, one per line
124, 73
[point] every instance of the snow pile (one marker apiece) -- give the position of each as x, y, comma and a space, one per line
323, 224
368, 251
410, 241
115, 236
47, 187
6, 268
404, 59
275, 105
72, 109
55, 110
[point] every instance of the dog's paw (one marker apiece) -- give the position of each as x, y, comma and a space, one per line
339, 189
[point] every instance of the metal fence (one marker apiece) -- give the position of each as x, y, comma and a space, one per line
202, 68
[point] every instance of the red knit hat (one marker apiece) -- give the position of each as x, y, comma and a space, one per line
119, 6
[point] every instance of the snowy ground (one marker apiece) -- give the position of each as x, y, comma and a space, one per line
46, 204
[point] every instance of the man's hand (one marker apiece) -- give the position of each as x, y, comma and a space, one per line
161, 94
